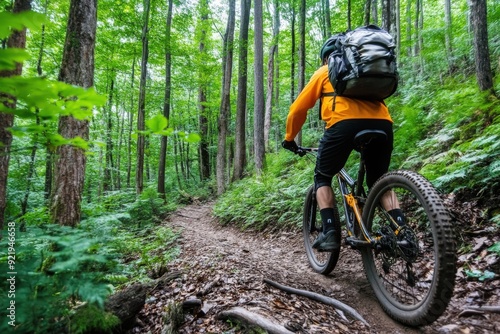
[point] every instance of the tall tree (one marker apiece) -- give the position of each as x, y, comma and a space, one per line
166, 102
225, 105
77, 68
302, 55
448, 33
16, 40
478, 15
328, 21
258, 117
241, 104
141, 142
202, 97
273, 50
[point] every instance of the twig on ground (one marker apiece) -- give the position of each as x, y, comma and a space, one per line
320, 298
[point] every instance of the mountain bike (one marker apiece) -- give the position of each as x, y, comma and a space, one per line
411, 267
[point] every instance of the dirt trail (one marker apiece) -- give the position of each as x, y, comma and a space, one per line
224, 267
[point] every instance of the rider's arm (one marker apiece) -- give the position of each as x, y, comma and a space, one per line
305, 101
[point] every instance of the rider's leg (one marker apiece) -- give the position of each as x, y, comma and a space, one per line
324, 197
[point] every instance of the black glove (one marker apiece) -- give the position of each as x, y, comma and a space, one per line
290, 145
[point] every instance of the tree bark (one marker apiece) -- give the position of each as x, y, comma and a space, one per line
141, 142
77, 68
273, 50
130, 125
225, 99
302, 56
16, 40
204, 155
478, 13
258, 124
166, 102
241, 104
448, 37
109, 164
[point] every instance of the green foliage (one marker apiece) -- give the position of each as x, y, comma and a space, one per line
56, 267
273, 200
454, 144
147, 208
90, 319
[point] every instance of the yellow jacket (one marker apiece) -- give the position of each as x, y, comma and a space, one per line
345, 108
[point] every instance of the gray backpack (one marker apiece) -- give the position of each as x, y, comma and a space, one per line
364, 64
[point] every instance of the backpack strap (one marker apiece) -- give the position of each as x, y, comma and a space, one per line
321, 101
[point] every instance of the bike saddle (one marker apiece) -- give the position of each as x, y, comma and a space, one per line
364, 137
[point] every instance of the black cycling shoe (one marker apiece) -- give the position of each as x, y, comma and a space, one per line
326, 242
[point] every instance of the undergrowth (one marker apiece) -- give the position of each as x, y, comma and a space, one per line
64, 275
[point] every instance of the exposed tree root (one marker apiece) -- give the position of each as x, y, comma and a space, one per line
320, 298
255, 319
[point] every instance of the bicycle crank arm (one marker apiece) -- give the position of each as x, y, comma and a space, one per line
356, 243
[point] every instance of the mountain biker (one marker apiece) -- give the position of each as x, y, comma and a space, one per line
343, 121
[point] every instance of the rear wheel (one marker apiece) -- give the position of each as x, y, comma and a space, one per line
321, 262
413, 275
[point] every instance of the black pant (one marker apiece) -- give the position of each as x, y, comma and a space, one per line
338, 142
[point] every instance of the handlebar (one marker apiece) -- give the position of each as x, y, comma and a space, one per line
301, 151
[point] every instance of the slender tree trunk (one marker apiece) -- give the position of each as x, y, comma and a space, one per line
270, 74
374, 18
77, 69
293, 48
119, 148
141, 142
204, 154
349, 14
166, 103
328, 21
448, 34
225, 100
302, 55
130, 125
478, 12
258, 124
108, 169
408, 28
241, 106
366, 17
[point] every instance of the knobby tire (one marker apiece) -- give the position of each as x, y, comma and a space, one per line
414, 285
321, 262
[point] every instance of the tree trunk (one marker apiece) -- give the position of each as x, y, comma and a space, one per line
270, 74
141, 142
166, 103
225, 100
108, 169
328, 21
130, 125
16, 40
448, 34
478, 13
366, 17
204, 155
374, 18
241, 105
258, 124
349, 14
302, 55
292, 61
77, 69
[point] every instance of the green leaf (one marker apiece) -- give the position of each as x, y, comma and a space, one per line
495, 248
9, 58
193, 138
487, 275
18, 21
157, 123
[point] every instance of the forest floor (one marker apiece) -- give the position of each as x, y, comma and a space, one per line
224, 267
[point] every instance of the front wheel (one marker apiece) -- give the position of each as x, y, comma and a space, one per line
413, 272
321, 262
